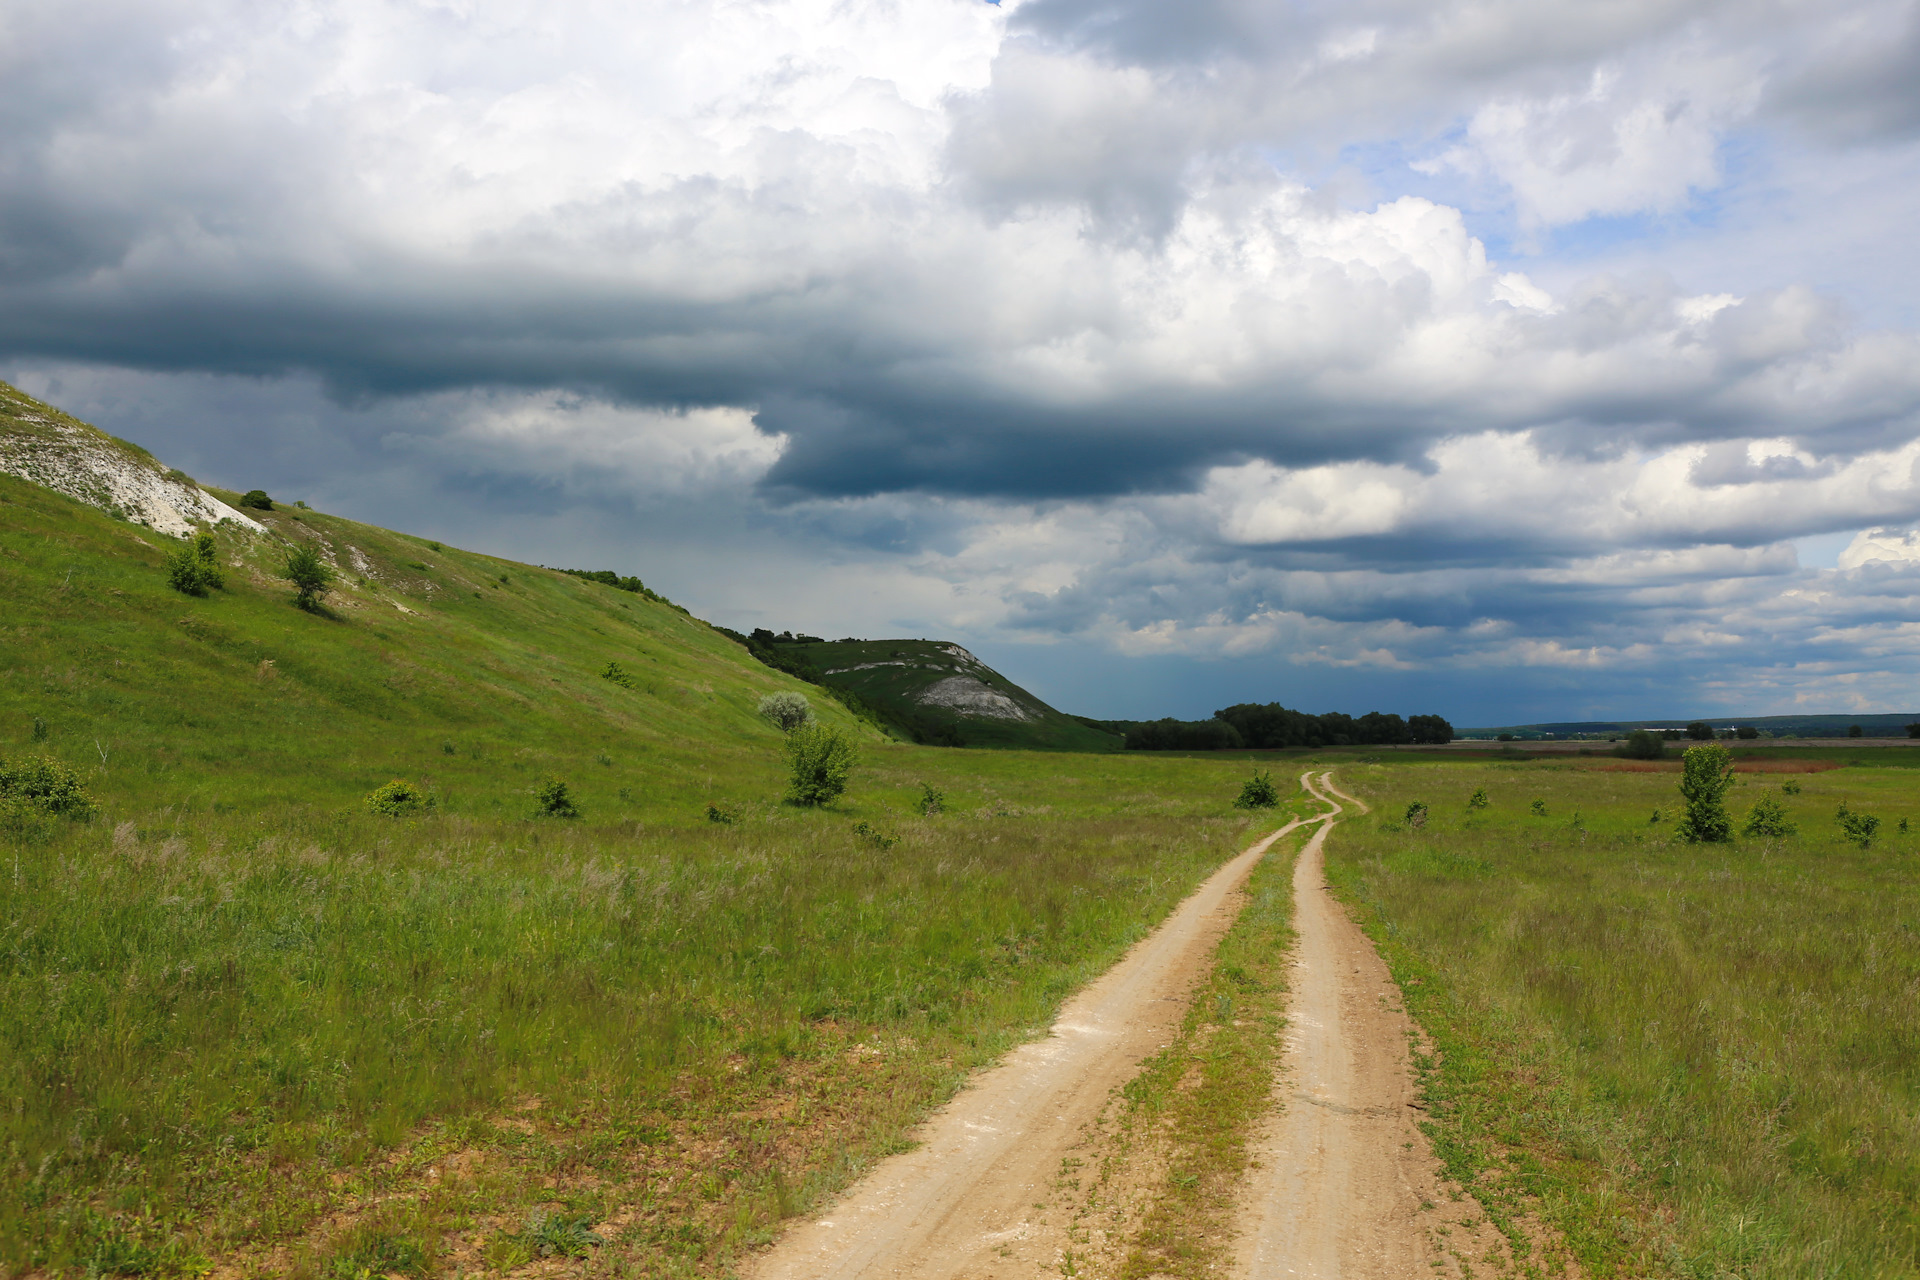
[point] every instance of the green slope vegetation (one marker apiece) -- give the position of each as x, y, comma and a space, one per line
245, 1020
932, 691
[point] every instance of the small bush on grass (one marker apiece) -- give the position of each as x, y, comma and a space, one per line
1642, 745
194, 569
617, 674
1706, 775
1258, 792
786, 710
44, 785
551, 799
932, 800
1791, 786
1416, 814
875, 836
716, 814
1538, 808
1478, 800
256, 500
820, 760
1768, 817
1860, 828
309, 574
398, 799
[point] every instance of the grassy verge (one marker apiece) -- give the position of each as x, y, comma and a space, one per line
1688, 1060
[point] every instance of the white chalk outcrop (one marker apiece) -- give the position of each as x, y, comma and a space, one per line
90, 466
966, 696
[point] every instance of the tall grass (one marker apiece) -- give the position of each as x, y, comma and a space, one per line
198, 1029
1698, 1059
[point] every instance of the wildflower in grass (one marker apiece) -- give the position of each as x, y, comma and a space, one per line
933, 800
1860, 828
551, 799
786, 710
1768, 817
309, 575
1258, 792
1706, 773
1416, 814
1538, 808
820, 760
1478, 800
398, 799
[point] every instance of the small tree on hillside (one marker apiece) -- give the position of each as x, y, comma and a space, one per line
195, 568
1706, 775
309, 574
820, 760
256, 500
787, 710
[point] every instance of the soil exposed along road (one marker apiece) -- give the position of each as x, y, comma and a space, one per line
961, 1202
1346, 1185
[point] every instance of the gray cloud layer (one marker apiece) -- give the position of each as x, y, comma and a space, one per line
1170, 327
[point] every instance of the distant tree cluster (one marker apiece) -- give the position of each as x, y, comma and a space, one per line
607, 577
1264, 726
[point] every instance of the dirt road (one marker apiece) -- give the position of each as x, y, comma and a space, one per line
1346, 1184
961, 1203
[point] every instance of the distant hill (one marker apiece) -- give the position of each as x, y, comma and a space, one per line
477, 674
1835, 726
930, 691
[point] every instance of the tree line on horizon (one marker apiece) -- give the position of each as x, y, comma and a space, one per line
1267, 726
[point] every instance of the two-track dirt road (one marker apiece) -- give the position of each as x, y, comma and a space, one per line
1335, 1192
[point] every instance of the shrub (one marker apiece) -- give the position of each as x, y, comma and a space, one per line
1503, 737
787, 710
1258, 792
1913, 730
1417, 814
618, 675
820, 760
1700, 731
1855, 731
1860, 828
46, 784
1642, 744
1538, 808
932, 800
1768, 817
1745, 732
1706, 774
308, 573
1478, 800
1791, 786
195, 568
256, 500
39, 729
552, 800
874, 836
397, 799
716, 814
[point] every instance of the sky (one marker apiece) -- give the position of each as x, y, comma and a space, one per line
1513, 360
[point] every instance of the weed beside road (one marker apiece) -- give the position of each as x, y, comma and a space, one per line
1697, 1060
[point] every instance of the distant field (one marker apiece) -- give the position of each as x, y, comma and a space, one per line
1693, 1060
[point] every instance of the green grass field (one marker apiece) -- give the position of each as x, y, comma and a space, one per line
1693, 1060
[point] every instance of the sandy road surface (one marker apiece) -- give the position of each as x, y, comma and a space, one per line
1345, 1183
961, 1203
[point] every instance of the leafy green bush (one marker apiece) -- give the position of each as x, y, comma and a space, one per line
1700, 731
716, 814
1860, 828
1258, 792
1706, 774
1538, 808
820, 760
552, 800
1768, 817
1642, 744
397, 799
45, 783
256, 500
1791, 786
1416, 814
194, 569
932, 800
1478, 800
309, 574
617, 674
787, 710
875, 836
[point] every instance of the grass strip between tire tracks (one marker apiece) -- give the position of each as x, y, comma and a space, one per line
1203, 1093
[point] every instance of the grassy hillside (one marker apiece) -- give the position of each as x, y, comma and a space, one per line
935, 692
247, 1023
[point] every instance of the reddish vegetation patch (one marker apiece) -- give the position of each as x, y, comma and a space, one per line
1739, 766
